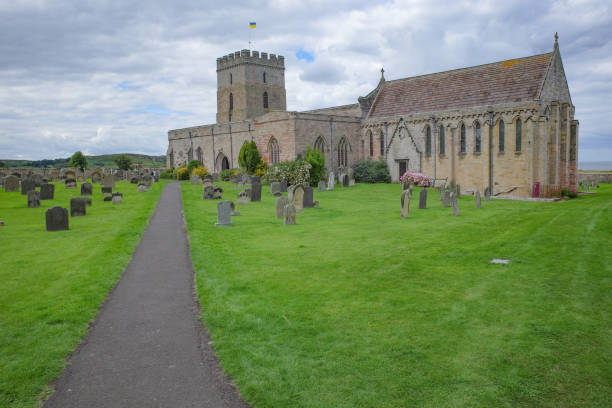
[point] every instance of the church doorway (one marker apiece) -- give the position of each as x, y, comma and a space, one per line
224, 164
403, 166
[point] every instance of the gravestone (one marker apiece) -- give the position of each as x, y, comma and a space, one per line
455, 204
195, 179
487, 194
330, 181
117, 199
478, 203
33, 199
275, 188
108, 197
283, 187
96, 177
37, 178
11, 184
345, 180
47, 191
234, 212
308, 197
321, 186
86, 189
243, 198
208, 182
77, 207
255, 190
27, 185
209, 178
298, 198
224, 213
442, 188
147, 180
107, 190
57, 219
108, 181
71, 183
141, 188
290, 191
289, 214
405, 203
423, 199
281, 202
446, 199
458, 190
118, 194
254, 179
406, 185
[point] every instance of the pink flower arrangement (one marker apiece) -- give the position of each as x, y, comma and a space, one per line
418, 179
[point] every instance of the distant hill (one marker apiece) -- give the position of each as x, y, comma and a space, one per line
103, 160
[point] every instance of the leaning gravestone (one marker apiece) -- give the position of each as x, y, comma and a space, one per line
195, 179
455, 204
243, 198
27, 185
86, 189
446, 200
71, 183
423, 199
47, 191
77, 207
330, 181
283, 185
289, 214
308, 197
405, 203
275, 188
478, 203
281, 202
108, 181
321, 186
33, 199
255, 190
224, 213
57, 219
11, 184
298, 198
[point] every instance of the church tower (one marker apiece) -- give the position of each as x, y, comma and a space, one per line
249, 85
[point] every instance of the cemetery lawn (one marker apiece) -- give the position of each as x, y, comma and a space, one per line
52, 283
356, 307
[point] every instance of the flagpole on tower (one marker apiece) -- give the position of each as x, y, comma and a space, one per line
252, 25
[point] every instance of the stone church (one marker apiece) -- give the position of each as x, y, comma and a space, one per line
507, 125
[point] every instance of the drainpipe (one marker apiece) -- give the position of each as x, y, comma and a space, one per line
434, 122
231, 148
212, 133
385, 138
331, 141
491, 117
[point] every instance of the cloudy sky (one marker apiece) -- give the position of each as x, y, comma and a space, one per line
114, 76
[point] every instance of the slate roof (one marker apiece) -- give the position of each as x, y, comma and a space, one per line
517, 80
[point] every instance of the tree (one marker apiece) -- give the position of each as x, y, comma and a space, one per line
2, 164
317, 163
124, 162
249, 157
79, 161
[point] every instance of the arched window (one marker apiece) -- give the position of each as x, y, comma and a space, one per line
225, 163
428, 141
371, 143
231, 102
264, 77
462, 143
343, 153
200, 155
519, 134
442, 140
273, 150
502, 135
265, 100
382, 143
231, 79
477, 138
320, 144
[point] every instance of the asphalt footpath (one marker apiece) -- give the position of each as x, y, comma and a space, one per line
146, 347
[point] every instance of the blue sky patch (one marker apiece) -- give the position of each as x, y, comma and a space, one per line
127, 86
159, 110
304, 55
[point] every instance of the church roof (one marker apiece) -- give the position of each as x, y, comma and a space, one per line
516, 80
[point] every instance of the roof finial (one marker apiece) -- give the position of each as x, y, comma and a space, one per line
556, 40
382, 74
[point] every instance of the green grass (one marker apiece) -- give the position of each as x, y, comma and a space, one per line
52, 283
355, 307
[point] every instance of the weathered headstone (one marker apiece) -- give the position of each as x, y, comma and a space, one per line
224, 213
57, 219
255, 190
446, 199
117, 199
27, 185
86, 189
77, 207
321, 186
108, 181
441, 191
478, 203
281, 202
298, 198
33, 199
405, 203
289, 214
47, 191
307, 201
275, 188
283, 185
330, 181
487, 194
455, 204
141, 188
11, 184
423, 199
107, 190
147, 180
71, 183
243, 198
195, 179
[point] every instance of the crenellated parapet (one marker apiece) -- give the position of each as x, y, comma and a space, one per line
252, 57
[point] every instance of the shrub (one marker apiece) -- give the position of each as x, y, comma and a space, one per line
249, 157
226, 175
167, 174
569, 193
370, 171
317, 165
192, 165
293, 172
261, 168
199, 171
181, 173
418, 179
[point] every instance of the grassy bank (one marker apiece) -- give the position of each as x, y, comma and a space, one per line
52, 283
355, 307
